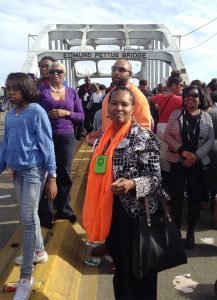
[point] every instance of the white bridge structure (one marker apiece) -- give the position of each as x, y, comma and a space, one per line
150, 46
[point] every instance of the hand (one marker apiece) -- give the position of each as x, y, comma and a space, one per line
11, 174
187, 163
121, 186
58, 113
191, 157
50, 189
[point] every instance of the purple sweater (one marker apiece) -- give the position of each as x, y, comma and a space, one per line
72, 103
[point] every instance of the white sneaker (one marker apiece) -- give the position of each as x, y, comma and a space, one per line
39, 258
24, 289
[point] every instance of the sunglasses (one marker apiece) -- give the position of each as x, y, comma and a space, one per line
182, 85
194, 96
119, 69
59, 72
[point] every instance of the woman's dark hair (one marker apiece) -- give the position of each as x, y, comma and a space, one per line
198, 82
122, 88
214, 97
205, 100
26, 85
102, 87
213, 85
175, 77
143, 82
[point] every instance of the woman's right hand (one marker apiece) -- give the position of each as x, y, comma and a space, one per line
121, 186
189, 156
58, 113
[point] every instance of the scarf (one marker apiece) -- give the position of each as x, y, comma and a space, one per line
98, 203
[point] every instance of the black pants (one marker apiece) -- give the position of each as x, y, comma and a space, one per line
88, 125
64, 147
206, 185
179, 176
119, 243
78, 129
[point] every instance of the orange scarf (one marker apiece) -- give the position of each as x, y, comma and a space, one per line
98, 203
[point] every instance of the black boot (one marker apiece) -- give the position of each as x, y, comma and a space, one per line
190, 241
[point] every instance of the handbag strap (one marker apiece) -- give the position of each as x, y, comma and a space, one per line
161, 112
147, 210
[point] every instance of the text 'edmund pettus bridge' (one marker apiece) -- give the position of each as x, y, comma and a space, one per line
105, 55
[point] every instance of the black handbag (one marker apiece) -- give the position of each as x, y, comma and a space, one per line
156, 244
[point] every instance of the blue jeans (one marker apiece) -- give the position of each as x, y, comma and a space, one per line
28, 186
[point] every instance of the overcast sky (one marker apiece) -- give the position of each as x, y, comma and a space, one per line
20, 18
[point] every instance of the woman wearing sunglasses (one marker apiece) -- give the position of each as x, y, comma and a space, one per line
63, 107
189, 135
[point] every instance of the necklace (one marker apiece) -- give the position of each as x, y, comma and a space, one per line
191, 128
57, 91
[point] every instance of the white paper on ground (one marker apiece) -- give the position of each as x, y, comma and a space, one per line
187, 275
184, 289
184, 283
208, 241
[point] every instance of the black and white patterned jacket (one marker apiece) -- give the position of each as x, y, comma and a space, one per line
137, 158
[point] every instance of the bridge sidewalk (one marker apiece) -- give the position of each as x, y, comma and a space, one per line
65, 277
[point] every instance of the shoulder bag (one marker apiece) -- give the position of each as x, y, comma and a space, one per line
156, 244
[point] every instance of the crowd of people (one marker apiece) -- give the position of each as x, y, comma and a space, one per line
147, 143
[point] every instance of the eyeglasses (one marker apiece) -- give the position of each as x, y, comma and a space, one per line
119, 69
194, 96
59, 72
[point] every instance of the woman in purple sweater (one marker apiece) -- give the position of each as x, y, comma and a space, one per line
63, 107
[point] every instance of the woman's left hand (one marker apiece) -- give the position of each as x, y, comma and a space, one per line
50, 189
121, 186
58, 113
11, 174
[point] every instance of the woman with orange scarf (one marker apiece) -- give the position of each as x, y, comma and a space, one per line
124, 168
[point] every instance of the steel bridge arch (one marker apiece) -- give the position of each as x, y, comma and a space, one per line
150, 44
